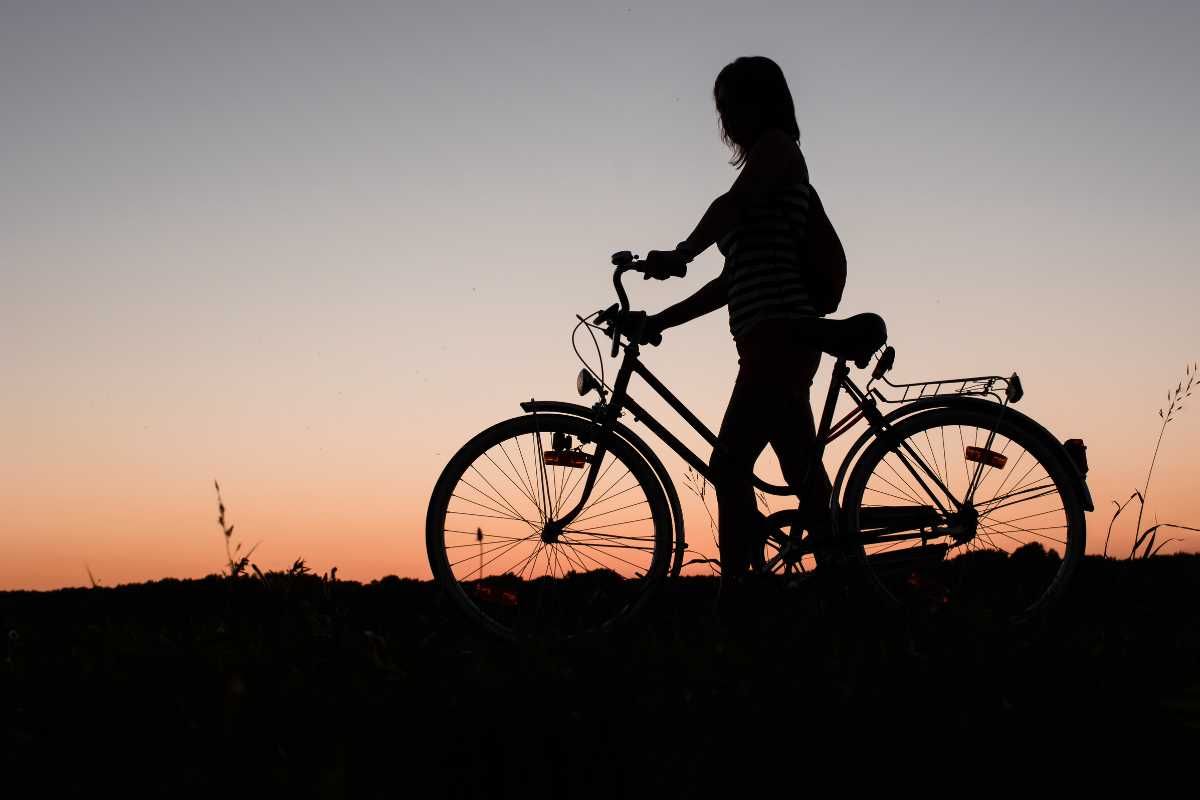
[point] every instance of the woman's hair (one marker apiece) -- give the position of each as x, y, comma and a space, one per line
756, 97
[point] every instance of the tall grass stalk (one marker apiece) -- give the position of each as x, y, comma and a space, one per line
1147, 540
236, 566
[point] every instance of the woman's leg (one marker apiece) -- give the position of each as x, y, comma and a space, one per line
770, 403
793, 437
741, 440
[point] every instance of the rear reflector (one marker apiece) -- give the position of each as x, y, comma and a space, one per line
989, 457
564, 458
1078, 452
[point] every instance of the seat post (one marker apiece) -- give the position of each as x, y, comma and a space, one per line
840, 371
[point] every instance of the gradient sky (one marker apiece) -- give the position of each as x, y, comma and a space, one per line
310, 249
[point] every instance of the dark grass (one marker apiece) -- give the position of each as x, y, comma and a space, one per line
306, 687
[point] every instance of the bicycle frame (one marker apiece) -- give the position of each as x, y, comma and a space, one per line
607, 412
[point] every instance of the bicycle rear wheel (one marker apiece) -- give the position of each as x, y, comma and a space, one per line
967, 507
488, 514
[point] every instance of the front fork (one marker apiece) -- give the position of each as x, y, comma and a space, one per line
554, 528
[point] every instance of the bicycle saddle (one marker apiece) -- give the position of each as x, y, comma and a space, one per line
854, 338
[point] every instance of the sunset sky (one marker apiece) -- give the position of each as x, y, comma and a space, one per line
309, 249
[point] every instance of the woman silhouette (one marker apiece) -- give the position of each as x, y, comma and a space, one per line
757, 225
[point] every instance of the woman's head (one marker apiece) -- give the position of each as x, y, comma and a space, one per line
752, 96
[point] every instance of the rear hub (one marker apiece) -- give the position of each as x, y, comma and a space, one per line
964, 525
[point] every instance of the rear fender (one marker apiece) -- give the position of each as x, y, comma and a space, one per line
958, 401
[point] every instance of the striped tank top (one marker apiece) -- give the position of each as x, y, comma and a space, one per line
764, 274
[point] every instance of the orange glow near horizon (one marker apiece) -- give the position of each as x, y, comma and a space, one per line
310, 256
128, 526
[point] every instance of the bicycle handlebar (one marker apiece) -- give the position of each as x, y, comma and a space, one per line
632, 323
627, 260
624, 262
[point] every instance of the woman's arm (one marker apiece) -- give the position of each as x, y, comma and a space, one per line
708, 297
775, 158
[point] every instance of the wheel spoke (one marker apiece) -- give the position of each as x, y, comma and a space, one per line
933, 457
574, 543
528, 477
1012, 471
1005, 472
540, 466
489, 516
889, 494
963, 444
1009, 471
531, 560
476, 544
1043, 490
609, 525
606, 494
902, 480
611, 511
611, 536
888, 547
575, 484
1029, 516
520, 488
604, 545
576, 563
495, 504
506, 549
523, 476
503, 501
993, 528
500, 513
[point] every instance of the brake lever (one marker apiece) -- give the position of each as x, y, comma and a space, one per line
607, 315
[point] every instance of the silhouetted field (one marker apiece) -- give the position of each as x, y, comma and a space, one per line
311, 687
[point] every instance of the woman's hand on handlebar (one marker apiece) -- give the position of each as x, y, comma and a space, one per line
652, 330
663, 264
627, 322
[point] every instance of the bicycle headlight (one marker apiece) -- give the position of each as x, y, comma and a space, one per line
585, 382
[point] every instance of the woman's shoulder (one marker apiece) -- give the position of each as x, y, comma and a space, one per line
786, 156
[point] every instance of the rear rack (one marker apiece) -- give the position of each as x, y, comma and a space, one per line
994, 386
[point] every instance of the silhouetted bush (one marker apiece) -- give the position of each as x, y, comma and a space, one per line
297, 683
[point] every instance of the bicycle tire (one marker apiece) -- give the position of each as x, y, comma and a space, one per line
1002, 569
591, 581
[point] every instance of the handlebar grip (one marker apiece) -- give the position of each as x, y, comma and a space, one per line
672, 271
653, 267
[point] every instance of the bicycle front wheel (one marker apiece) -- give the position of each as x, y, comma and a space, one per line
486, 529
969, 507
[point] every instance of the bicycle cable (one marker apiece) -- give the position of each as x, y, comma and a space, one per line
599, 355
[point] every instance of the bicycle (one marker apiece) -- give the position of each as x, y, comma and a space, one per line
531, 534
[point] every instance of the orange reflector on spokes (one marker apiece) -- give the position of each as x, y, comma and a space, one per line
564, 458
989, 457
